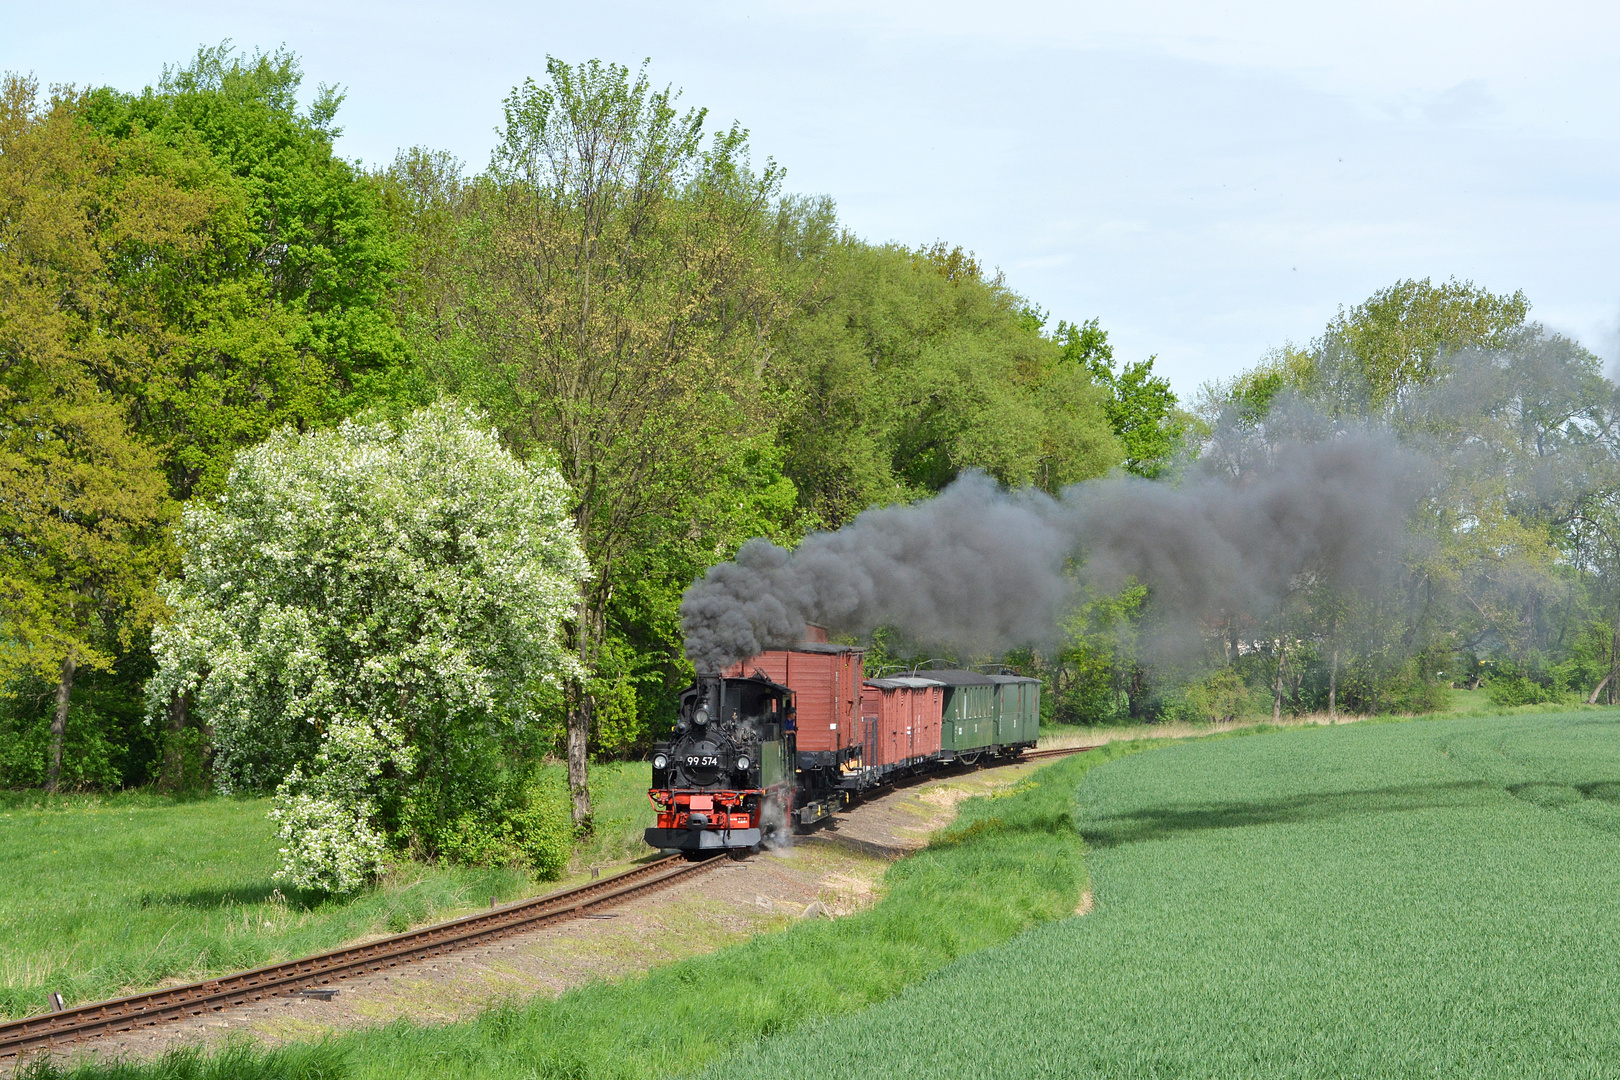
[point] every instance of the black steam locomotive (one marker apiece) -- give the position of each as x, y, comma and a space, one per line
725, 780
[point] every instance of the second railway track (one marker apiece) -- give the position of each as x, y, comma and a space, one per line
156, 1007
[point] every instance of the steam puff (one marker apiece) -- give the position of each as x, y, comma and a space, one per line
986, 570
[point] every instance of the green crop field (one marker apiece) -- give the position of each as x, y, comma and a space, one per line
1431, 898
105, 894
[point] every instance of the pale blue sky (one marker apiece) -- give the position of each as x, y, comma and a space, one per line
1210, 180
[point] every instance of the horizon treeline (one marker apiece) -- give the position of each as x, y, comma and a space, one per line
621, 290
705, 356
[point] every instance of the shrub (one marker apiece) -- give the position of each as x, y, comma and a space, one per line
364, 611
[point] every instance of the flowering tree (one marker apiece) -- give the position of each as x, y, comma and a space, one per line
363, 610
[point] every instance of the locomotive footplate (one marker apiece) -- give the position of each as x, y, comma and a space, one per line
701, 839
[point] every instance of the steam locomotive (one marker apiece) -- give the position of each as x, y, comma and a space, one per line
790, 737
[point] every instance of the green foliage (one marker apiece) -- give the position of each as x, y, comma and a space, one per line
1221, 695
285, 314
1400, 337
1095, 677
525, 824
107, 743
1250, 892
907, 367
83, 508
1141, 407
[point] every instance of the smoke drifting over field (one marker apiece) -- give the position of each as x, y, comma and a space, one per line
986, 570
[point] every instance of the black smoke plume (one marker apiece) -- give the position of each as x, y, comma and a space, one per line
985, 570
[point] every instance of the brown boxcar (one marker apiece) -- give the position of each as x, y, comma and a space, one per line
826, 683
902, 718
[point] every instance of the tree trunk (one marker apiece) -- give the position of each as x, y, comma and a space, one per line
173, 776
64, 693
579, 729
579, 721
1333, 689
1276, 704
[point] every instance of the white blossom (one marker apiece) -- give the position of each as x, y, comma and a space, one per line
352, 591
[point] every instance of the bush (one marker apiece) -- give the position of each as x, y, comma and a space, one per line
528, 825
1222, 696
90, 758
364, 612
1517, 690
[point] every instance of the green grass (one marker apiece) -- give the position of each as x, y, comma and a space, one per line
1434, 898
621, 812
1010, 861
101, 895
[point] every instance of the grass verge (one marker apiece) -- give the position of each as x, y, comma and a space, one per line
102, 895
1009, 861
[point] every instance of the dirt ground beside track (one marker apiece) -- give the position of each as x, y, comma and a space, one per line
835, 871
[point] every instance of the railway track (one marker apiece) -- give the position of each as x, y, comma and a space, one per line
1064, 751
156, 1007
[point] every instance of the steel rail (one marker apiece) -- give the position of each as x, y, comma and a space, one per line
1062, 751
156, 1007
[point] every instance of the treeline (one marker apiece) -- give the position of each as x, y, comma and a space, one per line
625, 296
1508, 577
702, 356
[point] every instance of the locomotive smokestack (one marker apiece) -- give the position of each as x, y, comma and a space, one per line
985, 570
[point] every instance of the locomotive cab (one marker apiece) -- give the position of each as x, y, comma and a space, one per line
724, 779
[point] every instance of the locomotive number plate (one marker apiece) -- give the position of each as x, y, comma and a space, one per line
700, 760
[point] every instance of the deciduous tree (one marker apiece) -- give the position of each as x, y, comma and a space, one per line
613, 310
83, 506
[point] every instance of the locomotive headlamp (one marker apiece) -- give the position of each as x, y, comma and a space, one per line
700, 717
742, 763
660, 761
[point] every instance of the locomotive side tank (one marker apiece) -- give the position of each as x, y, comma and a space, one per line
725, 779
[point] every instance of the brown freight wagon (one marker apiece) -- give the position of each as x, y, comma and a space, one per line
901, 721
826, 684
